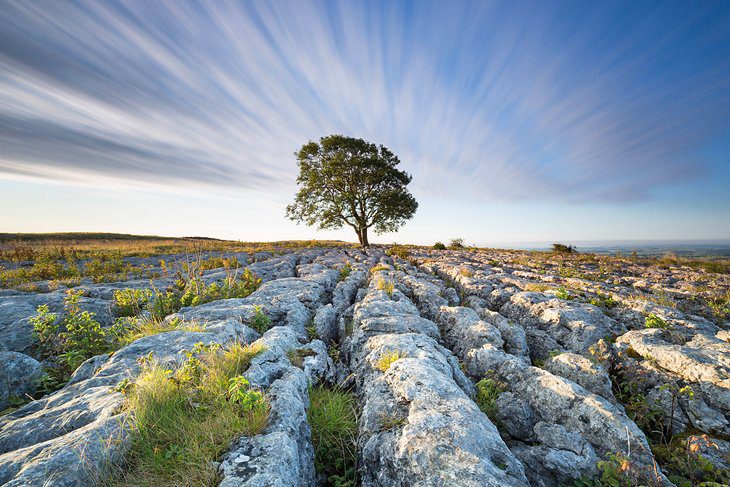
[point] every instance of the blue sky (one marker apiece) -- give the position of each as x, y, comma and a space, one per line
519, 121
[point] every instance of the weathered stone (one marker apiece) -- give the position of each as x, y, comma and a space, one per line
18, 373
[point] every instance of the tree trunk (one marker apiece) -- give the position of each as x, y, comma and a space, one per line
364, 239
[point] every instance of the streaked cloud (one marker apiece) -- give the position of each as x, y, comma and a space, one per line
492, 101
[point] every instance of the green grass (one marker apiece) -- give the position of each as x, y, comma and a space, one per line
183, 420
386, 285
129, 329
654, 321
333, 418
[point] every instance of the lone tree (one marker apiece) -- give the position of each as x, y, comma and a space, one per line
348, 181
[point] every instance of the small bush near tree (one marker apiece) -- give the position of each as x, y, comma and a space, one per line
456, 243
439, 246
564, 249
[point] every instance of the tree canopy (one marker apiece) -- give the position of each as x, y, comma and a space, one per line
348, 181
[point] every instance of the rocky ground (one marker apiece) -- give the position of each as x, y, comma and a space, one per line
485, 368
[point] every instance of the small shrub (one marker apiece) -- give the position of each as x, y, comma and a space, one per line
564, 249
260, 321
439, 246
77, 337
488, 390
456, 244
562, 293
164, 303
603, 301
654, 321
332, 415
387, 359
131, 302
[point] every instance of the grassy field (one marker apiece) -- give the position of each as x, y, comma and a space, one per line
17, 247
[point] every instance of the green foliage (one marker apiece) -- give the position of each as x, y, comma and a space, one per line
685, 465
654, 321
344, 272
164, 303
603, 301
348, 181
332, 415
106, 267
184, 419
131, 302
191, 291
456, 244
73, 339
260, 321
564, 249
488, 390
614, 471
562, 293
439, 246
399, 251
45, 330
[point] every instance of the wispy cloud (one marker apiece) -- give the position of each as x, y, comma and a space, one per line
481, 100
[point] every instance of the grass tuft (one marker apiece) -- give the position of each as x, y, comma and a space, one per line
333, 418
387, 359
183, 420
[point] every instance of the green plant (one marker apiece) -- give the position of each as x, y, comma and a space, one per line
77, 337
439, 246
345, 271
45, 330
398, 251
654, 321
488, 390
562, 293
184, 419
130, 302
685, 465
564, 249
164, 303
456, 244
260, 321
603, 301
332, 415
387, 359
